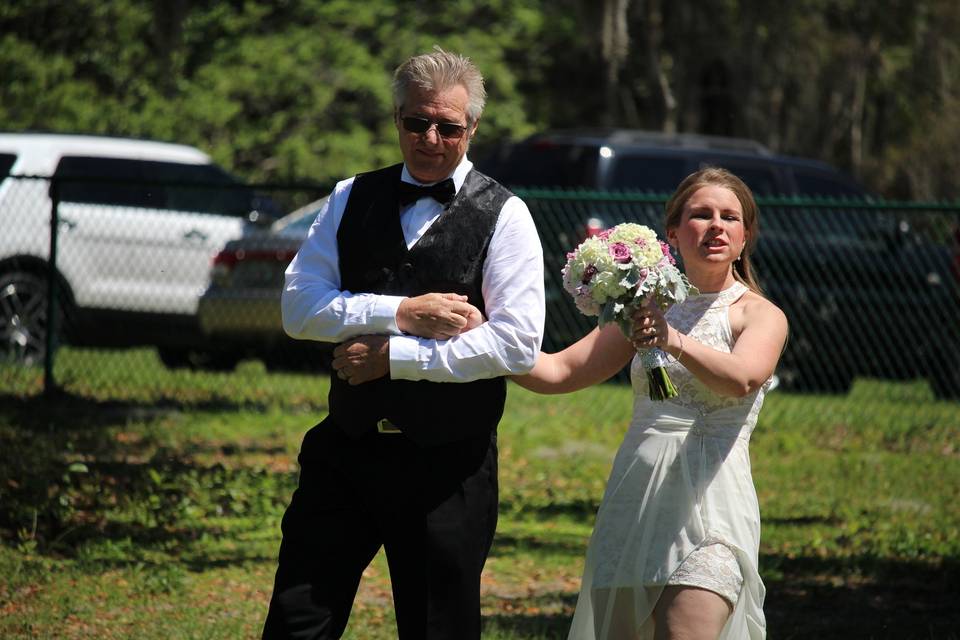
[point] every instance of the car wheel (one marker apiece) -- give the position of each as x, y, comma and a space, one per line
945, 379
306, 357
174, 357
805, 376
23, 318
946, 386
214, 360
185, 358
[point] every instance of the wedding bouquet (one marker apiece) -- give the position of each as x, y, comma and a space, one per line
615, 272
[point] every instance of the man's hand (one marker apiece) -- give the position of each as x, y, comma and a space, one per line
474, 319
437, 315
362, 359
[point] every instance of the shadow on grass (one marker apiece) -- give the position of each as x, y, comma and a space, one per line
580, 508
523, 626
511, 545
64, 410
542, 617
68, 481
814, 598
803, 520
880, 600
160, 504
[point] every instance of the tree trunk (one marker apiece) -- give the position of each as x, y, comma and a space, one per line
167, 37
858, 110
656, 73
615, 44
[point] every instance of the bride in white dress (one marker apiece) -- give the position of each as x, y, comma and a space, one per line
675, 546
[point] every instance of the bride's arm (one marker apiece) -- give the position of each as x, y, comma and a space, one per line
594, 358
763, 333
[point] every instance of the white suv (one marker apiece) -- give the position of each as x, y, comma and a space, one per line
139, 222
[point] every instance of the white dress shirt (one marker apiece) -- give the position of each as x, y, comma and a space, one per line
315, 308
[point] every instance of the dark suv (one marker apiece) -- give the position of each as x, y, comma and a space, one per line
867, 285
629, 160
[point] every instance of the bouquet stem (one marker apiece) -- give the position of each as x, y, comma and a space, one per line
660, 385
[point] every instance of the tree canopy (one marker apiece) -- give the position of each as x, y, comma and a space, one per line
281, 91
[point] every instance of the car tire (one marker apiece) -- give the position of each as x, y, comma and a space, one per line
806, 376
945, 379
186, 358
174, 358
214, 360
24, 319
947, 386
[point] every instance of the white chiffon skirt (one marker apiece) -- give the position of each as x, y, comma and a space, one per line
679, 481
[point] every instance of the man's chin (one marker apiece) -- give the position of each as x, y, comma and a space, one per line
427, 175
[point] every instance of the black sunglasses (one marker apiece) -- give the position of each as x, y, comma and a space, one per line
451, 130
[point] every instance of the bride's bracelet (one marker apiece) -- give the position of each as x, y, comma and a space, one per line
680, 355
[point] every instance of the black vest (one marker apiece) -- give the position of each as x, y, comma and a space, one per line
448, 258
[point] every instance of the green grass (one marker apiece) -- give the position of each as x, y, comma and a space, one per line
146, 503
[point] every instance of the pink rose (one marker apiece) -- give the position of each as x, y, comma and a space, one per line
620, 252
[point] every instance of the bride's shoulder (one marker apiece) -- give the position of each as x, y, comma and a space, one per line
755, 308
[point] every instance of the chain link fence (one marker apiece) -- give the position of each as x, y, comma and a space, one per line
151, 278
870, 289
131, 262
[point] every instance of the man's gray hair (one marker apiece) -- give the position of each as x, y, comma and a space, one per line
440, 70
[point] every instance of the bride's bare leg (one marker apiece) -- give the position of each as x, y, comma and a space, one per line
614, 619
689, 613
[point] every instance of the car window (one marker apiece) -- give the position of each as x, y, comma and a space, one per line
821, 183
152, 184
646, 173
547, 164
825, 227
216, 191
116, 181
6, 162
762, 180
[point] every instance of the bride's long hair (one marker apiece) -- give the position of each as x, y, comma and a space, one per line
715, 176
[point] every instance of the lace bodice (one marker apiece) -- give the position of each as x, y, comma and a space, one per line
705, 318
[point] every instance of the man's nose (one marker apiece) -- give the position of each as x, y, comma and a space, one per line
432, 135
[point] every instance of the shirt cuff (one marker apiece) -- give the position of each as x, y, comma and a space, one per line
385, 313
403, 357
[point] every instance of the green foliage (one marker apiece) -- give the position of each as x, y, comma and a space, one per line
149, 505
300, 90
291, 91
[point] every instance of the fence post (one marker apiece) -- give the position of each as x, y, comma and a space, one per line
49, 384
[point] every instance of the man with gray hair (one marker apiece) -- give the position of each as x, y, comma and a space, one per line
429, 275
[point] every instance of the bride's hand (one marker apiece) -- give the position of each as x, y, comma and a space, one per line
650, 328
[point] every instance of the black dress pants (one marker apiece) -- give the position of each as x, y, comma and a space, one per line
433, 509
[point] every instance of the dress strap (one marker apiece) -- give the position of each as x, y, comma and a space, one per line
731, 294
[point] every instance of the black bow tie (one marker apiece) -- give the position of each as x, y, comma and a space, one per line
442, 192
